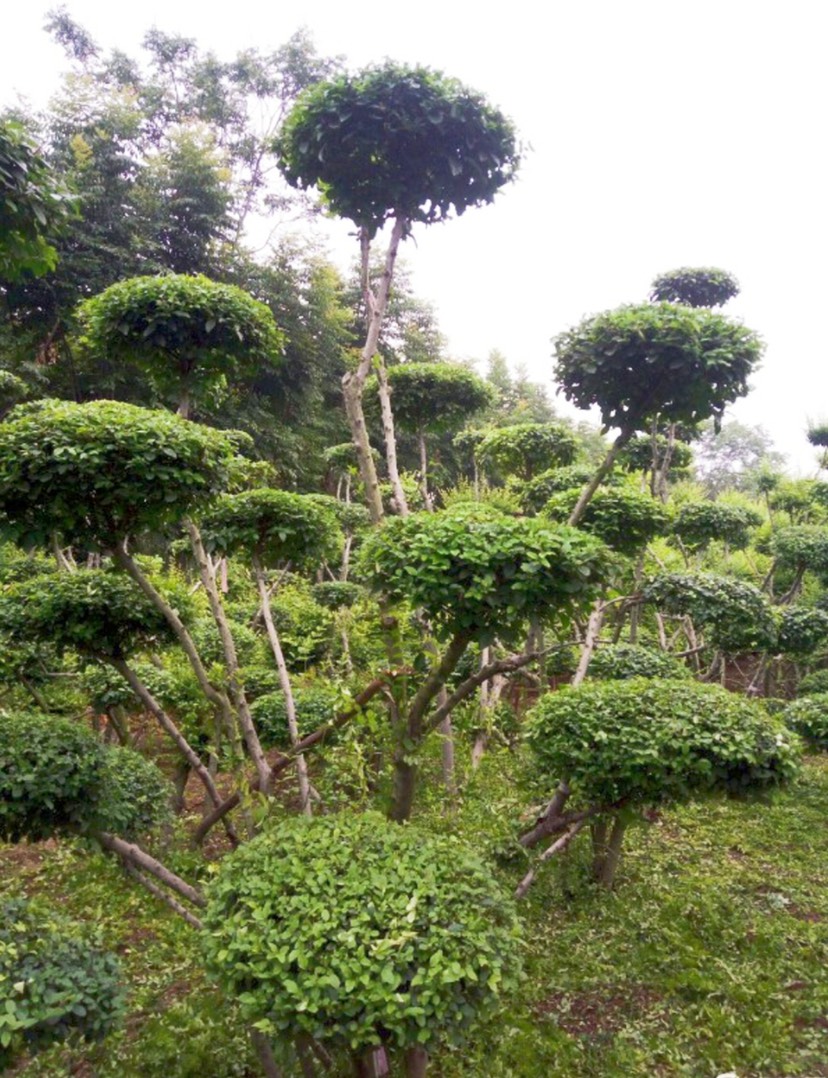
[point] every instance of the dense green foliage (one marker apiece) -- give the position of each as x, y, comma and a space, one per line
34, 206
436, 396
625, 519
395, 141
525, 449
697, 287
95, 611
277, 526
644, 741
535, 493
809, 717
99, 472
57, 778
802, 630
699, 523
315, 706
481, 575
614, 662
803, 546
186, 334
55, 982
638, 363
736, 615
291, 934
52, 774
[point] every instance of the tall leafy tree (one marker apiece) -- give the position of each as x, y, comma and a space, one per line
397, 144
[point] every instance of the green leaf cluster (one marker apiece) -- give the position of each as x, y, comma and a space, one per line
637, 363
625, 519
536, 492
616, 662
357, 931
397, 141
482, 574
644, 741
698, 524
181, 331
55, 982
802, 630
97, 612
315, 705
436, 397
525, 449
801, 547
808, 716
276, 526
695, 286
99, 472
57, 778
735, 615
34, 206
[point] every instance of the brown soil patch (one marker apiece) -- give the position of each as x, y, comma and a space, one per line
599, 1010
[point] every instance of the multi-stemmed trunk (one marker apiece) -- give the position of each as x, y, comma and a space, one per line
353, 383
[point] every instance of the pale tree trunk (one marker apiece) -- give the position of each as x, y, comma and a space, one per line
427, 499
284, 682
596, 619
481, 738
184, 402
231, 662
390, 441
601, 473
353, 382
609, 866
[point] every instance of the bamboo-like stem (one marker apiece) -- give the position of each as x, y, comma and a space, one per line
390, 437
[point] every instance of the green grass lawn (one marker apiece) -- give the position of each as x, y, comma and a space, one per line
711, 955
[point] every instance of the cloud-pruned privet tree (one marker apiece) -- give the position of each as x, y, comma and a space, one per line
188, 335
698, 524
104, 473
277, 530
526, 449
653, 364
695, 287
34, 206
476, 575
400, 144
625, 519
292, 936
431, 398
627, 745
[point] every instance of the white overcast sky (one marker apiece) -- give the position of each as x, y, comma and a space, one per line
662, 134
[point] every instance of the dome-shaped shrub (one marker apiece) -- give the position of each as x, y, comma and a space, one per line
357, 931
644, 741
616, 662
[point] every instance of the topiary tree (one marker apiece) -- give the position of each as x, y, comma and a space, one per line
476, 575
56, 778
291, 936
104, 616
697, 524
535, 493
736, 616
801, 548
650, 364
432, 398
619, 662
623, 746
56, 982
525, 449
802, 631
102, 472
187, 335
695, 287
401, 144
624, 519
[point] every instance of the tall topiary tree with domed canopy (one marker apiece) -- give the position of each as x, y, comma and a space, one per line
393, 144
653, 364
